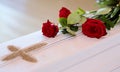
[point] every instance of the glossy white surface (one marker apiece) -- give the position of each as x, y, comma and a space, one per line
102, 57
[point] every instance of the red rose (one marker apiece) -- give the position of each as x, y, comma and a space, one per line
64, 12
49, 29
94, 28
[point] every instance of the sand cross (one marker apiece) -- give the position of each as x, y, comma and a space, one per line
23, 52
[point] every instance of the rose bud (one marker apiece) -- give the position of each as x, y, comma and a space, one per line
64, 12
49, 29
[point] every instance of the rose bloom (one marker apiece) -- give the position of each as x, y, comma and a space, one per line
94, 28
64, 12
49, 29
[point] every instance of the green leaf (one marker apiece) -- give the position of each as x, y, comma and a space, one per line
63, 22
116, 10
92, 12
80, 11
103, 10
118, 19
74, 28
70, 31
109, 24
104, 3
73, 18
64, 31
83, 20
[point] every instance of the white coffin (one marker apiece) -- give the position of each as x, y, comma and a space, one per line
66, 54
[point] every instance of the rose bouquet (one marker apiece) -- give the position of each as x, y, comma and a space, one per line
93, 24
